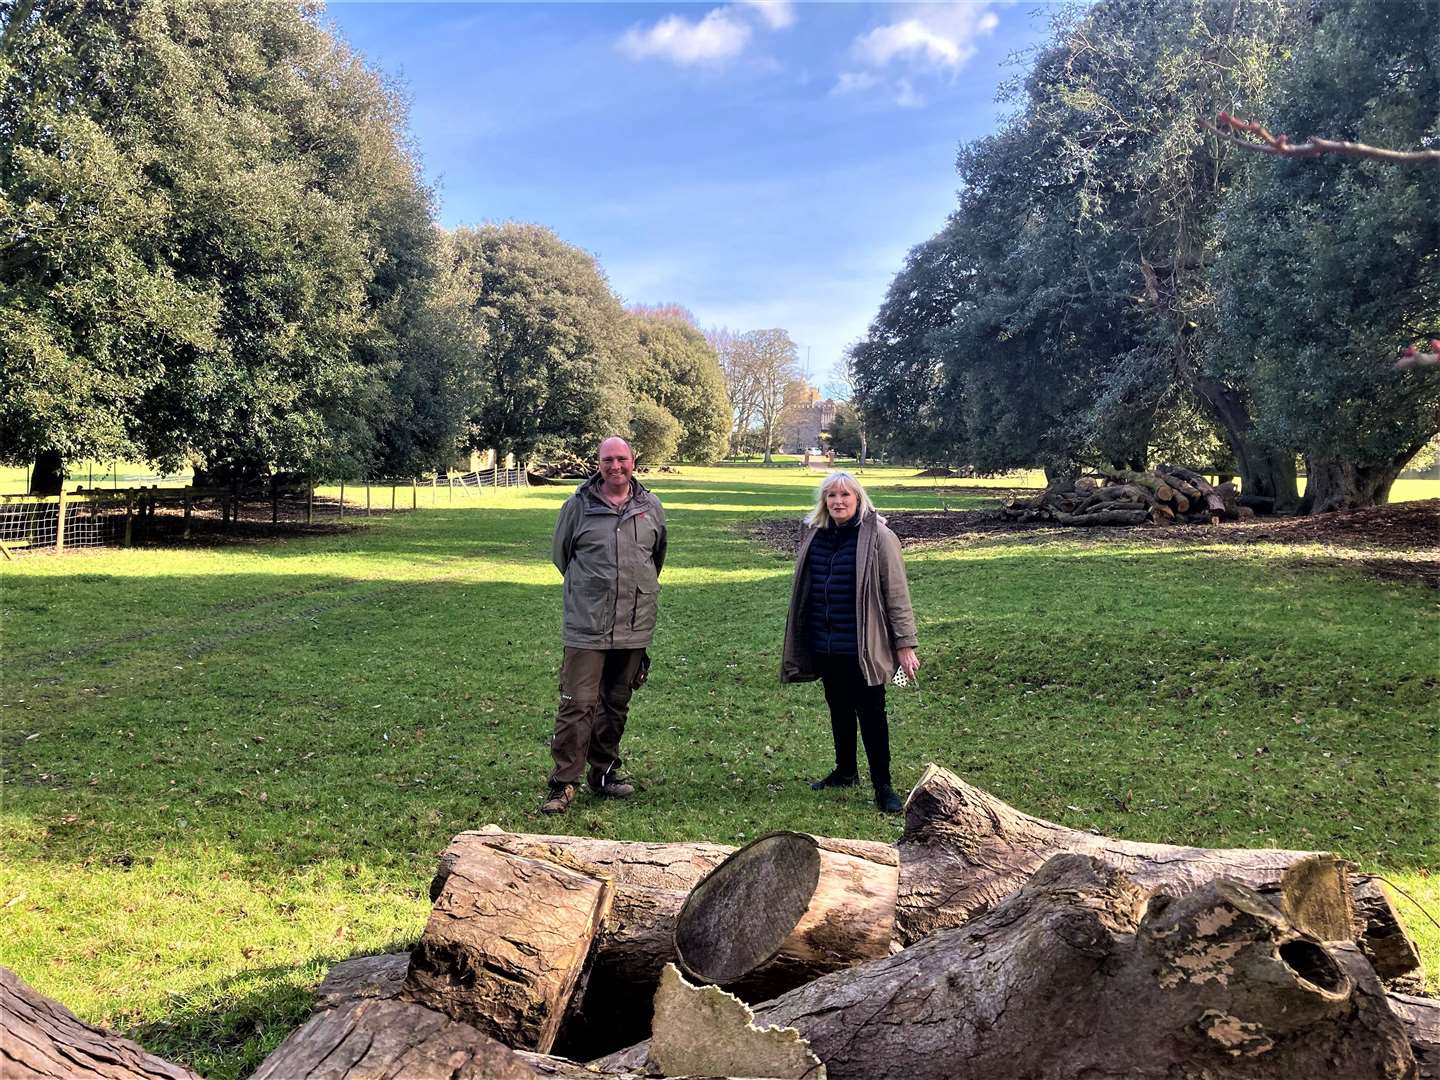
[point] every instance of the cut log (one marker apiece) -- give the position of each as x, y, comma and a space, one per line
1382, 936
782, 911
40, 1039
1080, 974
1421, 1017
1061, 982
370, 1039
381, 976
964, 850
650, 883
505, 944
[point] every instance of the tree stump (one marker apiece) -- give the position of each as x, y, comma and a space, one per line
964, 850
505, 944
40, 1039
781, 912
379, 1039
1081, 974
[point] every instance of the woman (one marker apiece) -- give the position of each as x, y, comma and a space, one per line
851, 626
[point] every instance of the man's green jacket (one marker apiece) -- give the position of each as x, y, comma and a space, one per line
611, 558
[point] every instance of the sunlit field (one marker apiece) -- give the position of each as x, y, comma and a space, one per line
228, 766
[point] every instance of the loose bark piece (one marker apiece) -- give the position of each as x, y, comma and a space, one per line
372, 1039
705, 1031
964, 850
1382, 937
381, 976
505, 944
1062, 981
784, 910
1421, 1017
41, 1039
637, 937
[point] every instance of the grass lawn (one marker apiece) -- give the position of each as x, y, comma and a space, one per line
226, 768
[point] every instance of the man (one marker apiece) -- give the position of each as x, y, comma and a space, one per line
610, 545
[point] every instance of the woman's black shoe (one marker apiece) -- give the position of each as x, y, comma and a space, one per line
887, 800
836, 778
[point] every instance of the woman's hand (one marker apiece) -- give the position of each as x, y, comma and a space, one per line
909, 662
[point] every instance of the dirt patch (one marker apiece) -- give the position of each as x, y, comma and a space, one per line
1400, 542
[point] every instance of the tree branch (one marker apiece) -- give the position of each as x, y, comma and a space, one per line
1227, 128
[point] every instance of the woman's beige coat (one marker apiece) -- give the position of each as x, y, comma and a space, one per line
885, 619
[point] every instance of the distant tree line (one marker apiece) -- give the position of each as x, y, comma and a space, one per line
1117, 285
216, 249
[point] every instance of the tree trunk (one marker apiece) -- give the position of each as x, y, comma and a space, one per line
1346, 485
1077, 975
781, 912
1421, 1017
40, 1039
505, 944
373, 1038
1263, 471
47, 476
964, 850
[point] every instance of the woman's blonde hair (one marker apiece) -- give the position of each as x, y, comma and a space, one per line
820, 516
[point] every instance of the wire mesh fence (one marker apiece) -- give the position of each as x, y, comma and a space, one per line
94, 516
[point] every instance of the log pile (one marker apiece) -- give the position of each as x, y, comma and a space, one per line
986, 943
1166, 496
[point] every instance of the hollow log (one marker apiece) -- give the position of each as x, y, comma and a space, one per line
1382, 937
650, 882
782, 911
1081, 974
963, 851
505, 944
40, 1039
374, 1038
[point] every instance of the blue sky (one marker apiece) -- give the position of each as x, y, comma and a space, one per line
762, 163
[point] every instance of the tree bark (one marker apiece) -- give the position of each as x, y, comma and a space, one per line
1347, 485
781, 912
1263, 471
963, 851
47, 475
40, 1039
1067, 979
1421, 1017
372, 1038
1384, 940
505, 944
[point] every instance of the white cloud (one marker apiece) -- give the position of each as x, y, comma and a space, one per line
942, 36
854, 82
717, 37
778, 14
722, 34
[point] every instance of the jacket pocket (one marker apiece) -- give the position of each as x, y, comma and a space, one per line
642, 617
589, 606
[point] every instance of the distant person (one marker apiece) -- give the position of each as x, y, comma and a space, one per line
610, 545
851, 626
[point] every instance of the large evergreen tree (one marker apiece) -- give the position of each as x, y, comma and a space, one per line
681, 373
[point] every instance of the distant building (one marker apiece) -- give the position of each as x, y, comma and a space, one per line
806, 422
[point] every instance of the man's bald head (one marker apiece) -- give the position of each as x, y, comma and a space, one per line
615, 444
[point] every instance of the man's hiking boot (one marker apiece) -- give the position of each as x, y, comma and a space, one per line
887, 800
559, 799
608, 786
836, 778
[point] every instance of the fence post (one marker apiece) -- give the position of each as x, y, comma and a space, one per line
309, 500
129, 517
367, 498
60, 522
414, 493
392, 497
187, 517
274, 501
342, 500
450, 483
495, 470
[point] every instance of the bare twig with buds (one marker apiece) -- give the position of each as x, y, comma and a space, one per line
1231, 128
